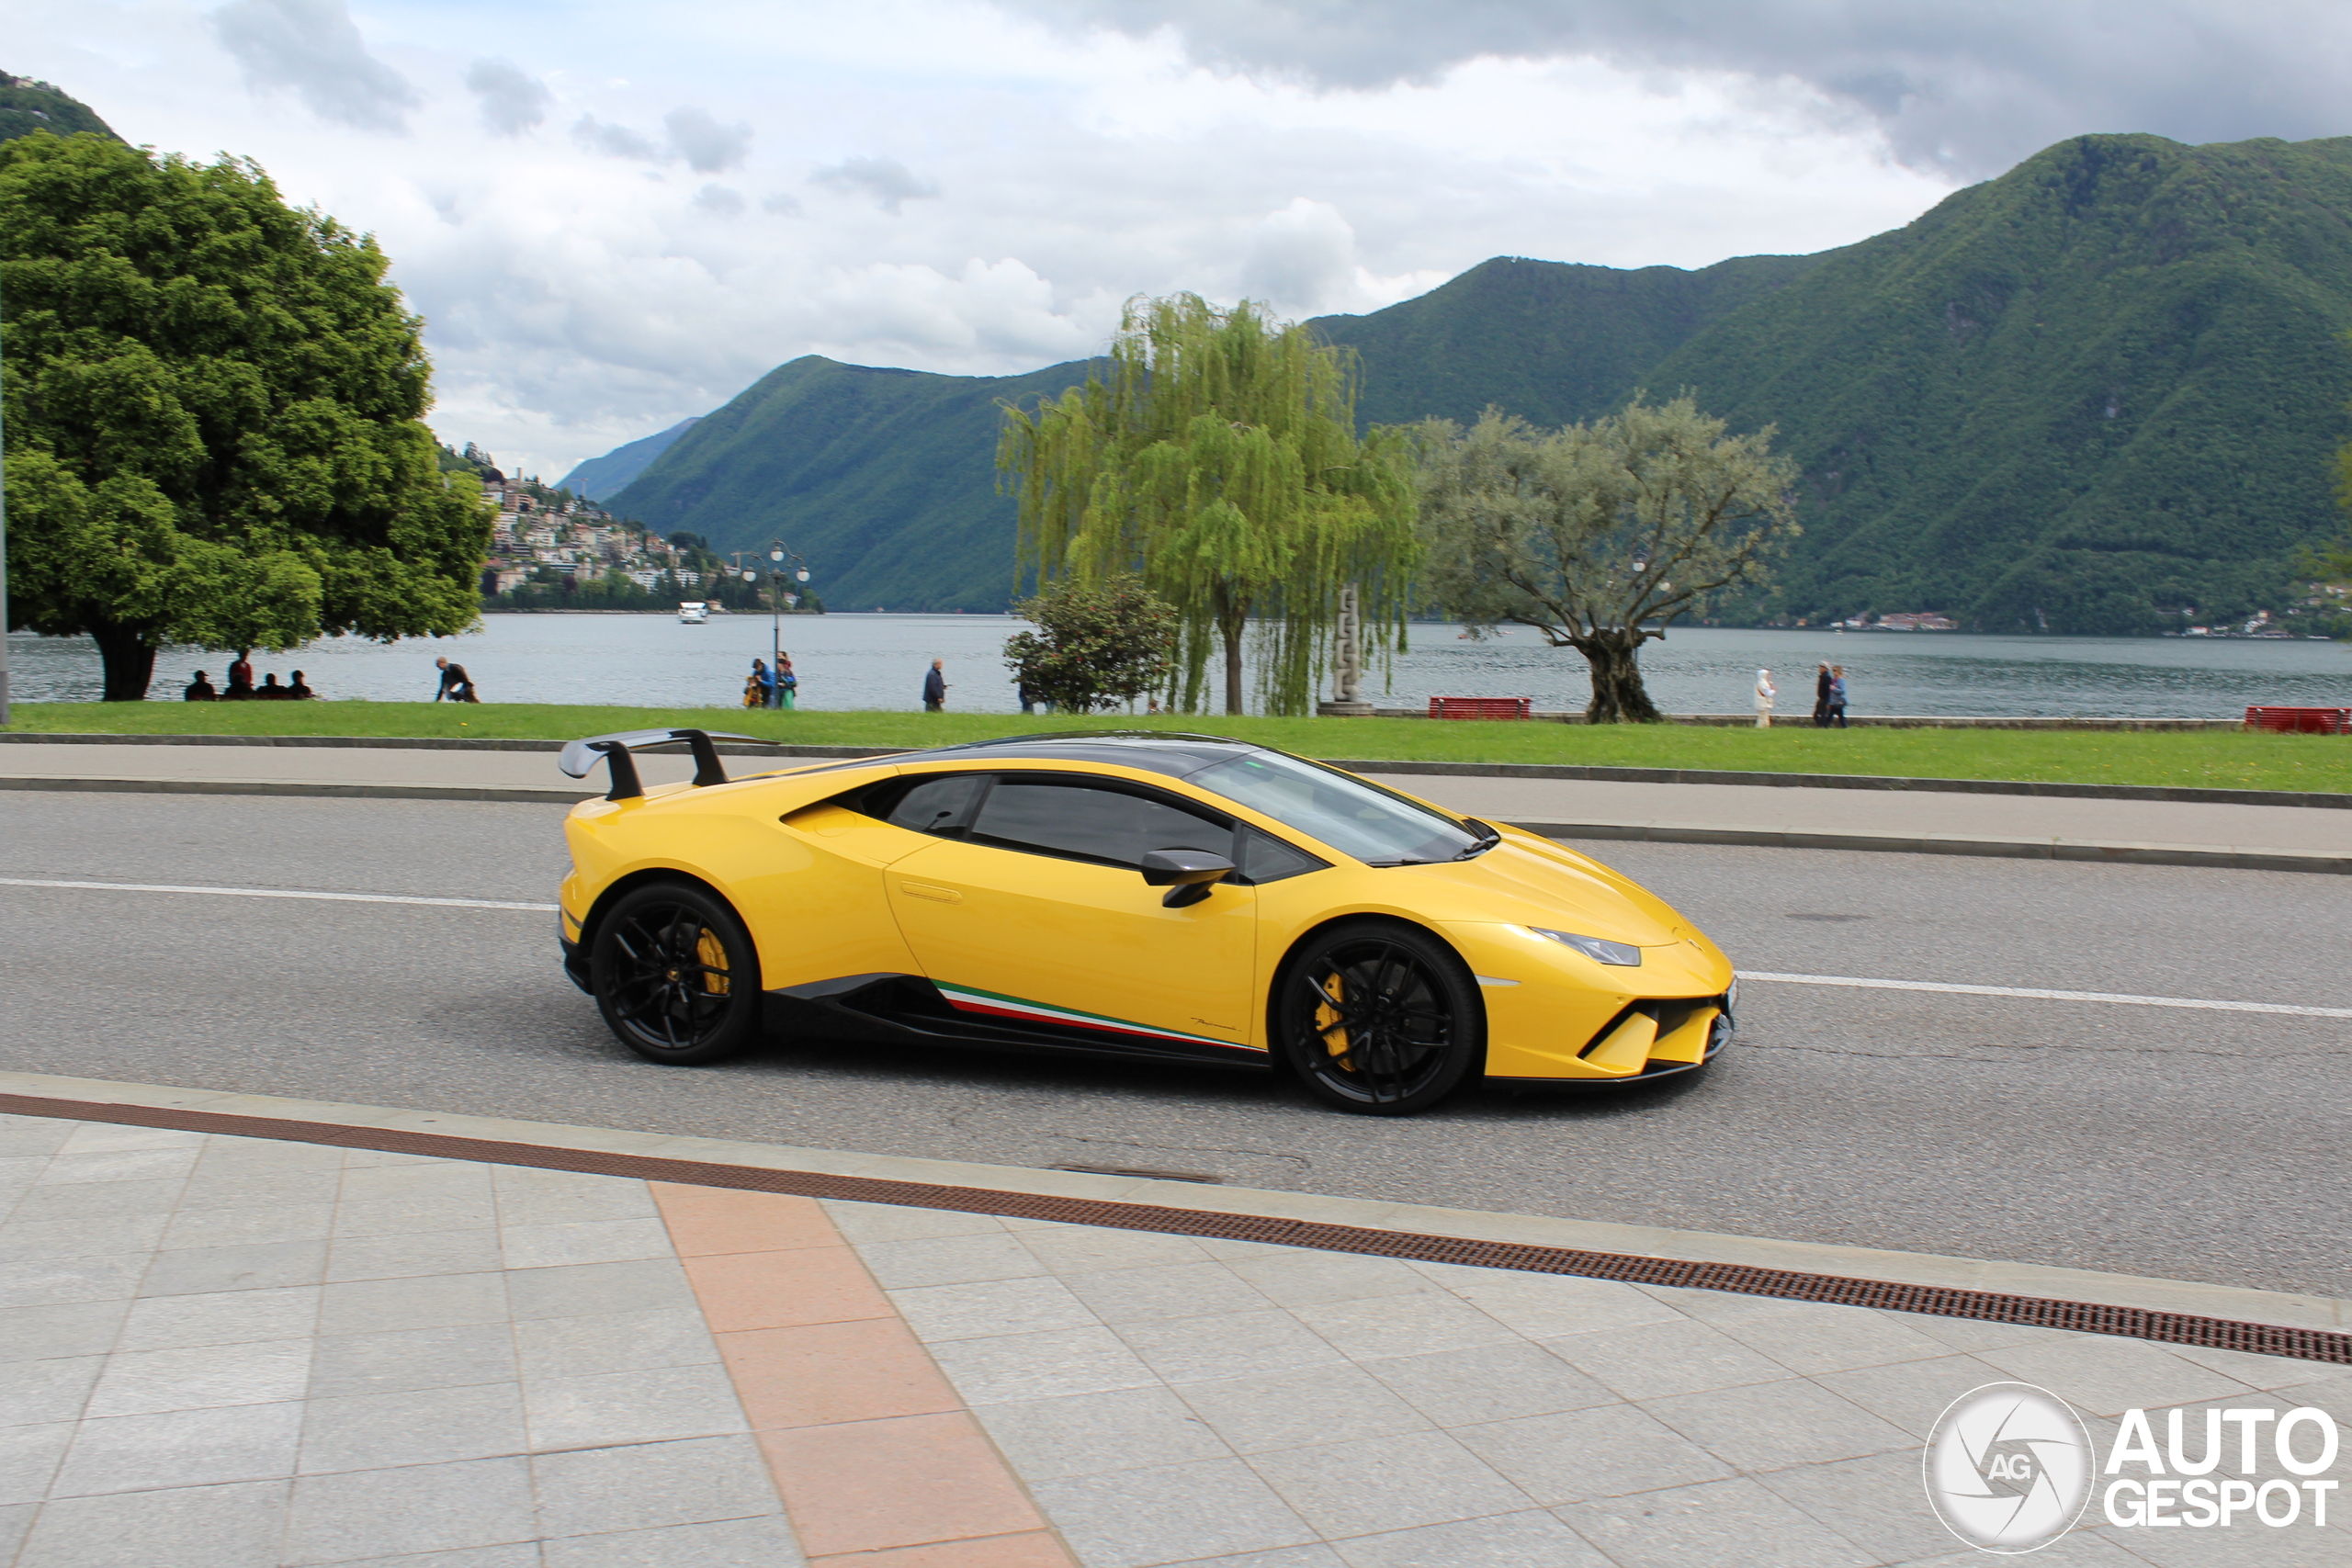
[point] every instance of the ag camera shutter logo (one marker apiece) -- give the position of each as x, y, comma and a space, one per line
2008, 1468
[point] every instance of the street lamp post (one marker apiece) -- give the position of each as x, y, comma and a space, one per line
777, 553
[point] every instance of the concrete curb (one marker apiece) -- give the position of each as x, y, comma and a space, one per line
2319, 1314
2225, 857
281, 786
409, 743
2313, 798
2212, 856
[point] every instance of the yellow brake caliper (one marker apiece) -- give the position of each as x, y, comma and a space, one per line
713, 953
1327, 1017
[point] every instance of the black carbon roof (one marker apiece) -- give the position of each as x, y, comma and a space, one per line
1172, 753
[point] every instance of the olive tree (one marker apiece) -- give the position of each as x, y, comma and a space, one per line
1598, 536
213, 407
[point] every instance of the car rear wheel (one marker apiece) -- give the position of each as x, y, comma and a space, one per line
1378, 1020
676, 976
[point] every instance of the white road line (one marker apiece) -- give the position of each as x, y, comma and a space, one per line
2035, 995
2028, 993
281, 893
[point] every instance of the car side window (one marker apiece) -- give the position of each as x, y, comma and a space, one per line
1265, 858
1083, 821
940, 805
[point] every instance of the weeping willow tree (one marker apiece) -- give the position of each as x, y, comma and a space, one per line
1216, 457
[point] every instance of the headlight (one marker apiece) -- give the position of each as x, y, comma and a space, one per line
1595, 948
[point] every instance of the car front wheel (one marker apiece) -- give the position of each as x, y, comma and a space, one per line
676, 976
1378, 1020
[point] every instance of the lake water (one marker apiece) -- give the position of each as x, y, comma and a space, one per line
877, 661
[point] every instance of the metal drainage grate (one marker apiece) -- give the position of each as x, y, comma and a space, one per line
1988, 1306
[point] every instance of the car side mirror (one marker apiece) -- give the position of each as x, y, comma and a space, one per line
1186, 873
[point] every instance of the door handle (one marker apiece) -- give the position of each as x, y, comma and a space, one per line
924, 890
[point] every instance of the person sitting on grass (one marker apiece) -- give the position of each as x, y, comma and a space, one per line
271, 691
299, 690
200, 689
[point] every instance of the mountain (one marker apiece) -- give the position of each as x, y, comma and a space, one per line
2094, 395
2097, 394
883, 481
600, 476
27, 106
1551, 342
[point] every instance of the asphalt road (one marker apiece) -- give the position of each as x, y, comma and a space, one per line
2191, 1145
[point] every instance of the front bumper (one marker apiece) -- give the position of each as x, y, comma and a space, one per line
1556, 1016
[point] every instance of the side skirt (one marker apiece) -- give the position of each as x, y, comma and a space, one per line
909, 1008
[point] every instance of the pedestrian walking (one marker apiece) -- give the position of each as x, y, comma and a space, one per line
456, 684
1837, 696
1765, 693
1030, 701
787, 684
1821, 699
935, 688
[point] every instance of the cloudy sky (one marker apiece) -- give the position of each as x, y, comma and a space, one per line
615, 214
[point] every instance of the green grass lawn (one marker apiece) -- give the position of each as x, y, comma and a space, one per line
2214, 759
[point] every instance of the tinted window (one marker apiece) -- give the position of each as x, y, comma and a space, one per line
1084, 822
1349, 815
936, 805
1265, 858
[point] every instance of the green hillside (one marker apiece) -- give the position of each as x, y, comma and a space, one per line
1548, 341
2084, 397
600, 476
2089, 396
27, 106
884, 481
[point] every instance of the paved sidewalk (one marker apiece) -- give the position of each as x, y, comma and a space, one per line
230, 1351
1758, 810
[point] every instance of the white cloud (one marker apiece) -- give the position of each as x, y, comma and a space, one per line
511, 102
312, 49
590, 284
708, 147
1968, 89
885, 181
615, 140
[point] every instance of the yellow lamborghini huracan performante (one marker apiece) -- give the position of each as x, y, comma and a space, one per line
1145, 894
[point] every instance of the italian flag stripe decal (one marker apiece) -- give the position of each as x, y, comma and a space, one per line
967, 998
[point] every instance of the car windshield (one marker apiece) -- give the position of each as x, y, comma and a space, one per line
1348, 814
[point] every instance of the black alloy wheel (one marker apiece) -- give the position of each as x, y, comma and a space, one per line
1378, 1019
676, 976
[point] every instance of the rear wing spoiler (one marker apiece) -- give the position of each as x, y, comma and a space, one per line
580, 757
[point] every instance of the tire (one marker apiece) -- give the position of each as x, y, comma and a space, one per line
1377, 1018
676, 976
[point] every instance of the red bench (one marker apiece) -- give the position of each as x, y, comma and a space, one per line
1481, 707
2300, 721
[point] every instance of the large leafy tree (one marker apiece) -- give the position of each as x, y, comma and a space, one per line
1218, 458
212, 412
1599, 535
1095, 644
